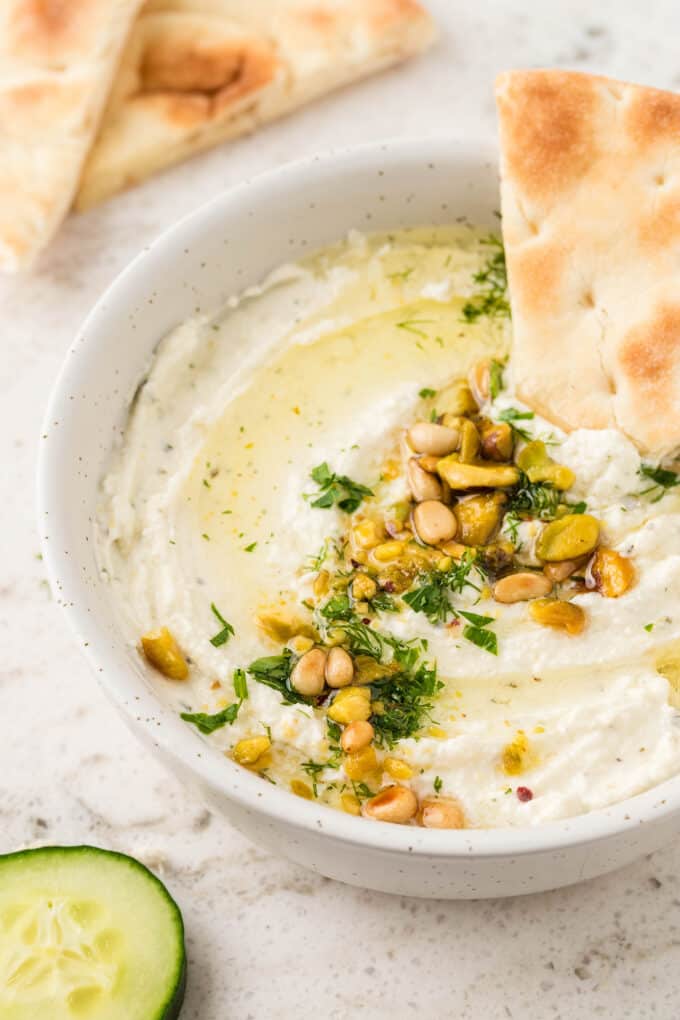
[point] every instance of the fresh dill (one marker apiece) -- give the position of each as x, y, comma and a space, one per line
431, 597
511, 415
406, 700
491, 299
412, 326
426, 393
495, 378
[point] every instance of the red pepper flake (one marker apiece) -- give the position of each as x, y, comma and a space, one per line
388, 586
524, 794
367, 620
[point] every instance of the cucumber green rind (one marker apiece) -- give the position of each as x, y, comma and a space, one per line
11, 867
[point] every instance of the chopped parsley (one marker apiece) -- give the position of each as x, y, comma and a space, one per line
511, 415
425, 393
209, 723
249, 548
662, 479
338, 607
649, 627
274, 671
240, 684
438, 784
225, 633
492, 281
477, 631
337, 490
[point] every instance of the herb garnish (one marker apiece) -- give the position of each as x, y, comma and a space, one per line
240, 684
662, 478
337, 489
406, 699
384, 602
274, 671
491, 298
338, 607
478, 633
426, 392
227, 630
411, 326
495, 378
207, 723
511, 415
438, 784
538, 500
431, 597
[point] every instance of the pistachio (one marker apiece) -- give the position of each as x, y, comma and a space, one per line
283, 624
395, 804
434, 522
423, 484
457, 399
367, 534
360, 764
564, 616
428, 463
568, 538
388, 551
496, 440
441, 813
476, 476
363, 587
538, 466
351, 704
469, 442
613, 573
434, 440
497, 557
308, 673
250, 749
478, 517
521, 587
339, 668
356, 736
164, 654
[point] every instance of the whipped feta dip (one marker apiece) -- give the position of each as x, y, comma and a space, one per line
207, 515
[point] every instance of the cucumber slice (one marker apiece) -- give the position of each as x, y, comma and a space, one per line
87, 934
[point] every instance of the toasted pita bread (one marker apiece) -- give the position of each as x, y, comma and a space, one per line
197, 72
590, 186
57, 60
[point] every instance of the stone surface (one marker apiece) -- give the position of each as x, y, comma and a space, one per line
265, 938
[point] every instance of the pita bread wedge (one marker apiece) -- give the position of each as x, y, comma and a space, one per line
197, 72
590, 186
57, 60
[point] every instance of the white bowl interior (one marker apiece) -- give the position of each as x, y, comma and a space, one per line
216, 252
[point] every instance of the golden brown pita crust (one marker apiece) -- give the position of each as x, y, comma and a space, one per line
57, 58
590, 187
197, 72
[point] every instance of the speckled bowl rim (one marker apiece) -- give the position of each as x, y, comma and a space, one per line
146, 714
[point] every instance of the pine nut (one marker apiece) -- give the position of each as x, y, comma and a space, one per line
395, 804
339, 668
441, 813
434, 522
356, 736
521, 587
308, 673
437, 440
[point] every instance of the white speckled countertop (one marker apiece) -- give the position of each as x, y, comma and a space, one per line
266, 939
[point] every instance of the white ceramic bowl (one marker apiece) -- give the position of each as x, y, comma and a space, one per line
217, 251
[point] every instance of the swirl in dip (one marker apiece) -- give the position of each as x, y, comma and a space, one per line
373, 576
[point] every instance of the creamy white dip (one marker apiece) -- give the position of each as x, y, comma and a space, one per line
325, 362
